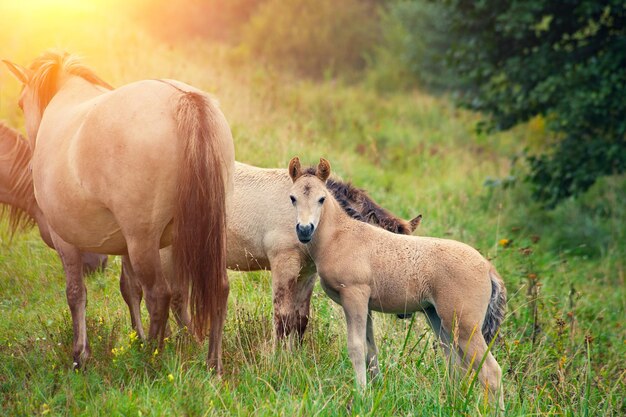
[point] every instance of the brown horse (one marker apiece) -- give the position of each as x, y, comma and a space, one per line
17, 195
260, 236
364, 268
129, 171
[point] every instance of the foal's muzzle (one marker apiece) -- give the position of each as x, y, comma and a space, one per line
305, 233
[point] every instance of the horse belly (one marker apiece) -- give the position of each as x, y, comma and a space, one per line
92, 230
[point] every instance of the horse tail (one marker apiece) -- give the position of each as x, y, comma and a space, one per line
496, 307
199, 238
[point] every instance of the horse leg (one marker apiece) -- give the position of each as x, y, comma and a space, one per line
93, 262
445, 340
146, 264
473, 349
180, 297
372, 353
286, 268
216, 330
132, 293
304, 291
354, 301
76, 294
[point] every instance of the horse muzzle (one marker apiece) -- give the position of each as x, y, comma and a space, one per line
305, 233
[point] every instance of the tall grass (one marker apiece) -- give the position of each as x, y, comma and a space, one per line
563, 340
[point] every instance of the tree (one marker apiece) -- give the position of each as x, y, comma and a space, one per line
564, 60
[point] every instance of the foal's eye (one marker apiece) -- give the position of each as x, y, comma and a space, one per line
321, 200
293, 200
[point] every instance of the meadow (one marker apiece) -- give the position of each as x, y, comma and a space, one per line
563, 340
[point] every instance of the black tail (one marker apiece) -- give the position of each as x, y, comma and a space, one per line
496, 308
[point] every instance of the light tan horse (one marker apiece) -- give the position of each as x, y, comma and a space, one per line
17, 195
364, 268
129, 171
260, 236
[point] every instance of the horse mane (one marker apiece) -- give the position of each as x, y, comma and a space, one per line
20, 179
47, 68
360, 206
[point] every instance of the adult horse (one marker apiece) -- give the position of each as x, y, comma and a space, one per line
260, 236
129, 171
17, 195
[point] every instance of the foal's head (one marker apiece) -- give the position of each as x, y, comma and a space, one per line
308, 195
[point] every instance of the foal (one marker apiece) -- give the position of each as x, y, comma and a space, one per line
365, 268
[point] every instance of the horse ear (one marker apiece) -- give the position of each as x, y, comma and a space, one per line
19, 72
323, 170
295, 170
415, 223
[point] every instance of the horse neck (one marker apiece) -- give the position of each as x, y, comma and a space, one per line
333, 221
75, 90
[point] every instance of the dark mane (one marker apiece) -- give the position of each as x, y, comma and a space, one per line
20, 179
49, 66
358, 205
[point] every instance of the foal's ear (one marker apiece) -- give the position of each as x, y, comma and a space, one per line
415, 223
323, 170
18, 71
295, 169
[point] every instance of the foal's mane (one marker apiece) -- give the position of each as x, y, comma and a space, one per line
358, 205
47, 68
20, 178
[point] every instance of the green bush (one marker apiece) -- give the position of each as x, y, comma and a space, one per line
563, 60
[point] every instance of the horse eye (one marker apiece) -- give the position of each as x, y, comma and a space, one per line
321, 200
293, 199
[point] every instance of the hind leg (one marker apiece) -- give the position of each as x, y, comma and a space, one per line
473, 349
180, 297
371, 358
143, 253
443, 335
76, 294
470, 348
132, 293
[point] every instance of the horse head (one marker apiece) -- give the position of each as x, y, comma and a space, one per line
308, 195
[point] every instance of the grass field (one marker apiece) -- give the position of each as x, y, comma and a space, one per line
564, 338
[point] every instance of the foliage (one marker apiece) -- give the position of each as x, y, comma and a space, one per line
314, 38
564, 60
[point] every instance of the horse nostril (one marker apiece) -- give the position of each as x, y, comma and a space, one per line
311, 227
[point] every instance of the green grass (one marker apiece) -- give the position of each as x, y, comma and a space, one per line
564, 341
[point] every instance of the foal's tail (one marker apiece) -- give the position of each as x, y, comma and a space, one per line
199, 245
496, 307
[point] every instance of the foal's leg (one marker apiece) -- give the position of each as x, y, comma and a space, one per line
354, 301
143, 253
76, 293
445, 341
372, 353
473, 349
132, 293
